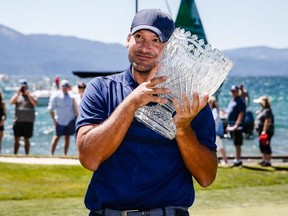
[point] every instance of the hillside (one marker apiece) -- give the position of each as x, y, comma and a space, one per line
50, 55
54, 54
259, 61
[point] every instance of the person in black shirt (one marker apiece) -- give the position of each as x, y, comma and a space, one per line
265, 127
2, 118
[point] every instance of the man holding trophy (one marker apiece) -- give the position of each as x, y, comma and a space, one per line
137, 169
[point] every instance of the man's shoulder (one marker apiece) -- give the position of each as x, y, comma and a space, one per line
239, 100
56, 96
113, 78
55, 93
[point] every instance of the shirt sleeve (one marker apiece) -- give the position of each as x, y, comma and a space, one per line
242, 106
204, 128
93, 108
267, 114
51, 104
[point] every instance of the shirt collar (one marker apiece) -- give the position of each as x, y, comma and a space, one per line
130, 79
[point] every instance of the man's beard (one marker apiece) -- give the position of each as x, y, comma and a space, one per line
140, 67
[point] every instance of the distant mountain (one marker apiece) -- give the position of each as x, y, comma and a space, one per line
51, 55
258, 61
36, 54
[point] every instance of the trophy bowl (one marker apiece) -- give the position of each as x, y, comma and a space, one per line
191, 66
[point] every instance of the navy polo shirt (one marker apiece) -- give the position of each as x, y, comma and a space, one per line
147, 170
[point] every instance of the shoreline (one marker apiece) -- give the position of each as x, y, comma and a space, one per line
45, 160
73, 160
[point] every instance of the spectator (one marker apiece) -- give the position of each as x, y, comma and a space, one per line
24, 116
236, 111
64, 118
81, 87
57, 82
219, 128
248, 124
2, 118
265, 127
243, 93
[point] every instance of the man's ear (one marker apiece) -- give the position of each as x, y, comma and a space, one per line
128, 39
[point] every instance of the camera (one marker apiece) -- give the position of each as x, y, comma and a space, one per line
23, 89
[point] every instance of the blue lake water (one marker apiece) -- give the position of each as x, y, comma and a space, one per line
274, 87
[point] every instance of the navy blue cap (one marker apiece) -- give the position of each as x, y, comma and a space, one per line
154, 20
23, 82
234, 88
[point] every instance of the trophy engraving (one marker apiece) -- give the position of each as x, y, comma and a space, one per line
191, 66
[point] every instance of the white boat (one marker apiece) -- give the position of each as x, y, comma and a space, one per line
42, 96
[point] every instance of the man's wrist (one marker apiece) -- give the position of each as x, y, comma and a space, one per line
183, 131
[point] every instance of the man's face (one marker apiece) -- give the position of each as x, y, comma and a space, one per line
144, 48
24, 88
65, 88
81, 90
234, 93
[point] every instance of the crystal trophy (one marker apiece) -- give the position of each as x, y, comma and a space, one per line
191, 66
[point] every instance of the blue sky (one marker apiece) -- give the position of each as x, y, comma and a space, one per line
228, 23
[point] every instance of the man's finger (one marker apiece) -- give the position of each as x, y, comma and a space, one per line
153, 72
195, 104
204, 101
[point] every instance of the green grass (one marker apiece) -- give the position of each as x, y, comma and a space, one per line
26, 181
44, 207
27, 189
247, 191
249, 176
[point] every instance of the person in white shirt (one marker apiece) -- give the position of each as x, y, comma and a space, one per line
64, 117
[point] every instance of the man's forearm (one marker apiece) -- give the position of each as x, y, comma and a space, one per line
32, 100
239, 119
200, 161
97, 144
14, 98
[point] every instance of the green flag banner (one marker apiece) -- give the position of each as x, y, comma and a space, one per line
189, 19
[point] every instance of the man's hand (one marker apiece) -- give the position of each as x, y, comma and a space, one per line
147, 91
199, 160
186, 113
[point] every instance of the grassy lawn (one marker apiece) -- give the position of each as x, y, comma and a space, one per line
59, 190
248, 201
247, 191
26, 181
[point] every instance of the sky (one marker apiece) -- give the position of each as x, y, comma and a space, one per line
228, 24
